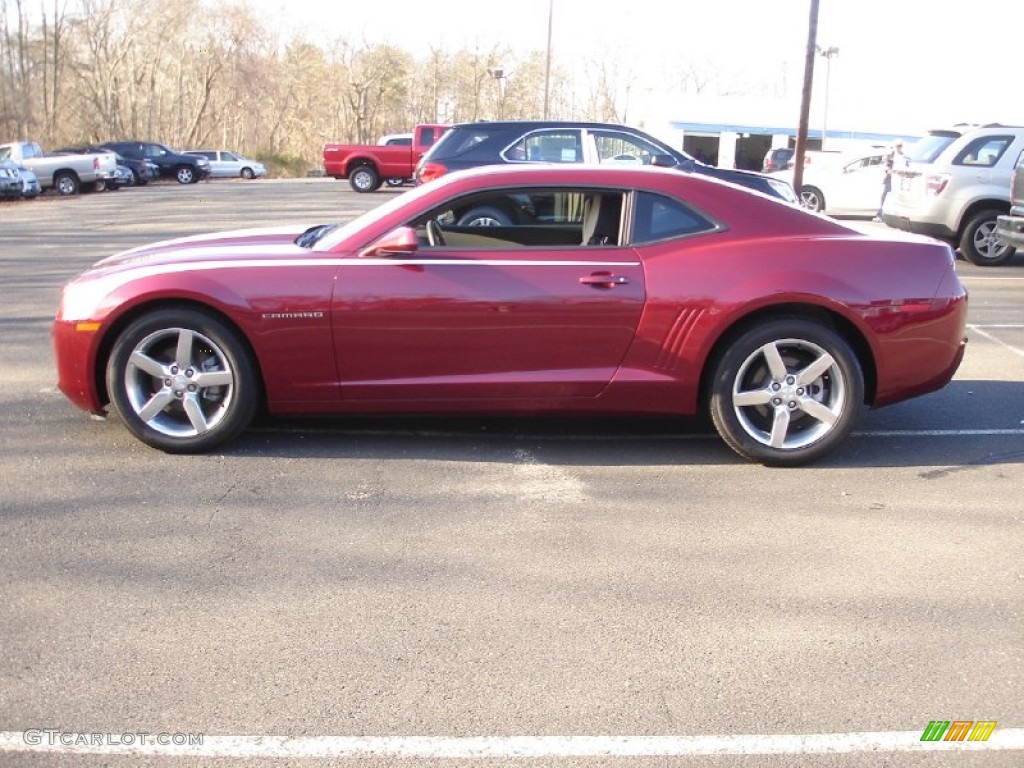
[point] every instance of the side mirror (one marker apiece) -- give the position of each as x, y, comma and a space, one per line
397, 242
662, 161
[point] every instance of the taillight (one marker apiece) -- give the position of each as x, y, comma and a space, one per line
429, 172
936, 182
96, 163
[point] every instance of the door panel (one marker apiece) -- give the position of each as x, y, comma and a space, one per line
455, 323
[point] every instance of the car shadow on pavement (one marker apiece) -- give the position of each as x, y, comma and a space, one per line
968, 423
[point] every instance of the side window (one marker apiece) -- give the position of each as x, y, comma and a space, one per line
524, 218
657, 217
547, 147
623, 148
984, 151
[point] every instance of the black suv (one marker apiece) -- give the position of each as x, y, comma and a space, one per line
187, 169
468, 145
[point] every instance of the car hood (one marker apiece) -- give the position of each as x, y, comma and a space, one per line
236, 245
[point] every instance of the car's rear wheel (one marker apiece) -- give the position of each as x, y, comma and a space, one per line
185, 174
182, 380
812, 199
979, 243
786, 392
364, 179
66, 183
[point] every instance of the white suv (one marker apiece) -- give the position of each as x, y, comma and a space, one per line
956, 186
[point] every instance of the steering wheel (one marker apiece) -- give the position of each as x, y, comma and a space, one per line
434, 234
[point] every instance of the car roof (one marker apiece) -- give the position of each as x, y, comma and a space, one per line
528, 124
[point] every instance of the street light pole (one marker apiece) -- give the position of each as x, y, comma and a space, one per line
499, 76
828, 54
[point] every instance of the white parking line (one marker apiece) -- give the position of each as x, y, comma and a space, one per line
476, 747
978, 330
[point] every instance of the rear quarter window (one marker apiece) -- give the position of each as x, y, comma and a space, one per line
657, 217
458, 142
984, 151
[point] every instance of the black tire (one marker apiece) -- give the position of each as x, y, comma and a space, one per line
247, 173
182, 401
812, 199
66, 183
484, 216
813, 417
186, 174
100, 185
364, 178
395, 182
979, 243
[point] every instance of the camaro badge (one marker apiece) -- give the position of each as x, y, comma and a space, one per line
290, 315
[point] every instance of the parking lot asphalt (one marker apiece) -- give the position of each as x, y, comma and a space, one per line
489, 591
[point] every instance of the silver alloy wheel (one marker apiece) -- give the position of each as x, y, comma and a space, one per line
810, 198
185, 175
988, 246
484, 221
179, 382
789, 393
363, 179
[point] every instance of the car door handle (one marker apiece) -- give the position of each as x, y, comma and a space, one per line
603, 280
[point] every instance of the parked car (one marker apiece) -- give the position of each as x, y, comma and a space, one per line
30, 187
652, 291
10, 181
186, 169
849, 184
1010, 227
777, 159
955, 187
120, 177
367, 166
396, 140
469, 145
67, 173
229, 165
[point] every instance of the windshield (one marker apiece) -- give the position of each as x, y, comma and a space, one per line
327, 240
929, 147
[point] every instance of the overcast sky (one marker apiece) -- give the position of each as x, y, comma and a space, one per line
909, 64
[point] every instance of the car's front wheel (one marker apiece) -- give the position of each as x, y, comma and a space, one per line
786, 392
979, 243
182, 380
185, 174
247, 173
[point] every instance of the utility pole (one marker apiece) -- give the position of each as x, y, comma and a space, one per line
805, 101
547, 66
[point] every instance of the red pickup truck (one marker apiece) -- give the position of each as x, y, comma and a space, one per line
367, 166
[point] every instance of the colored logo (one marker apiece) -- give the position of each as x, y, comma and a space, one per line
958, 730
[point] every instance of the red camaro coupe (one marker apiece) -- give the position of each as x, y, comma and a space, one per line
627, 290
